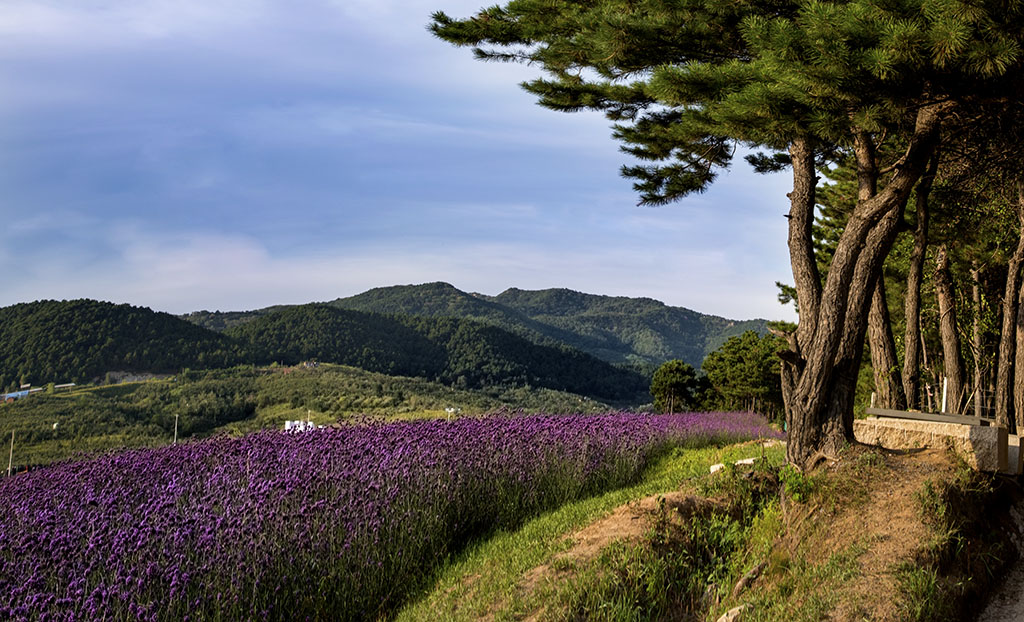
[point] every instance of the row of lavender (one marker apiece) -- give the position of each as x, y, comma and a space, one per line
337, 524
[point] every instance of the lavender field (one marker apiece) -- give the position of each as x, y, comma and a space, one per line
332, 524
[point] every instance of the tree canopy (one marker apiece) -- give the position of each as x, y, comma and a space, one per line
674, 387
744, 373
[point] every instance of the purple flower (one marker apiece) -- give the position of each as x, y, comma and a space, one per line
339, 523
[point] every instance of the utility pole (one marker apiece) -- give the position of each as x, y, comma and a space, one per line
175, 428
10, 459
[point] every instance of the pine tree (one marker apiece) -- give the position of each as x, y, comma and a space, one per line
688, 81
674, 387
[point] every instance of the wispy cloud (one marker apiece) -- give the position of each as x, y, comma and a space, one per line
239, 153
188, 271
79, 22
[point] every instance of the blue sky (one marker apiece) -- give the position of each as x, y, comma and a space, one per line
233, 154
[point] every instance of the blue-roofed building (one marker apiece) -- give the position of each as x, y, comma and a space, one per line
16, 395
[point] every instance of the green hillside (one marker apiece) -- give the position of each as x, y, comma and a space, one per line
430, 300
630, 329
82, 340
444, 300
318, 332
78, 340
223, 320
556, 338
460, 352
615, 329
239, 400
634, 331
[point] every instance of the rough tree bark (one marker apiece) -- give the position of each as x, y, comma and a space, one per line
932, 376
884, 364
952, 360
912, 303
1018, 366
976, 334
1008, 334
805, 274
819, 371
1018, 376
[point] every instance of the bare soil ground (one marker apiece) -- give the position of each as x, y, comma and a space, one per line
628, 522
887, 523
873, 509
868, 501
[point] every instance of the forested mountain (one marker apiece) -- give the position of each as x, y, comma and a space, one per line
630, 329
455, 351
430, 300
223, 320
318, 332
616, 329
77, 340
80, 340
444, 300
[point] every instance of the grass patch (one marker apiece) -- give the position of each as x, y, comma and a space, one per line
797, 484
805, 591
826, 548
923, 595
486, 579
670, 571
966, 551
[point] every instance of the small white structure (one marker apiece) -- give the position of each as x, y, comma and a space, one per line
299, 426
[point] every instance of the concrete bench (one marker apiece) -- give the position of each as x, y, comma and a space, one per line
923, 416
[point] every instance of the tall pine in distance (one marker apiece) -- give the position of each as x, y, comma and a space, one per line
688, 82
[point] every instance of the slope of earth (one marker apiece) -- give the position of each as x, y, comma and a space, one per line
616, 329
637, 330
1007, 601
52, 427
495, 580
871, 535
460, 352
77, 340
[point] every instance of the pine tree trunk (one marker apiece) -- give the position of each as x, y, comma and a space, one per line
883, 347
1018, 375
1018, 366
1008, 334
806, 427
952, 360
819, 371
976, 334
931, 375
884, 362
912, 303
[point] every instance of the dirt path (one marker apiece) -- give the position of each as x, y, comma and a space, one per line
627, 522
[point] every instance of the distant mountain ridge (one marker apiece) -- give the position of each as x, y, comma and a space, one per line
455, 351
616, 329
80, 340
635, 329
621, 330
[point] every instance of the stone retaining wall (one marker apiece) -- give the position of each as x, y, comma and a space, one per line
982, 447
